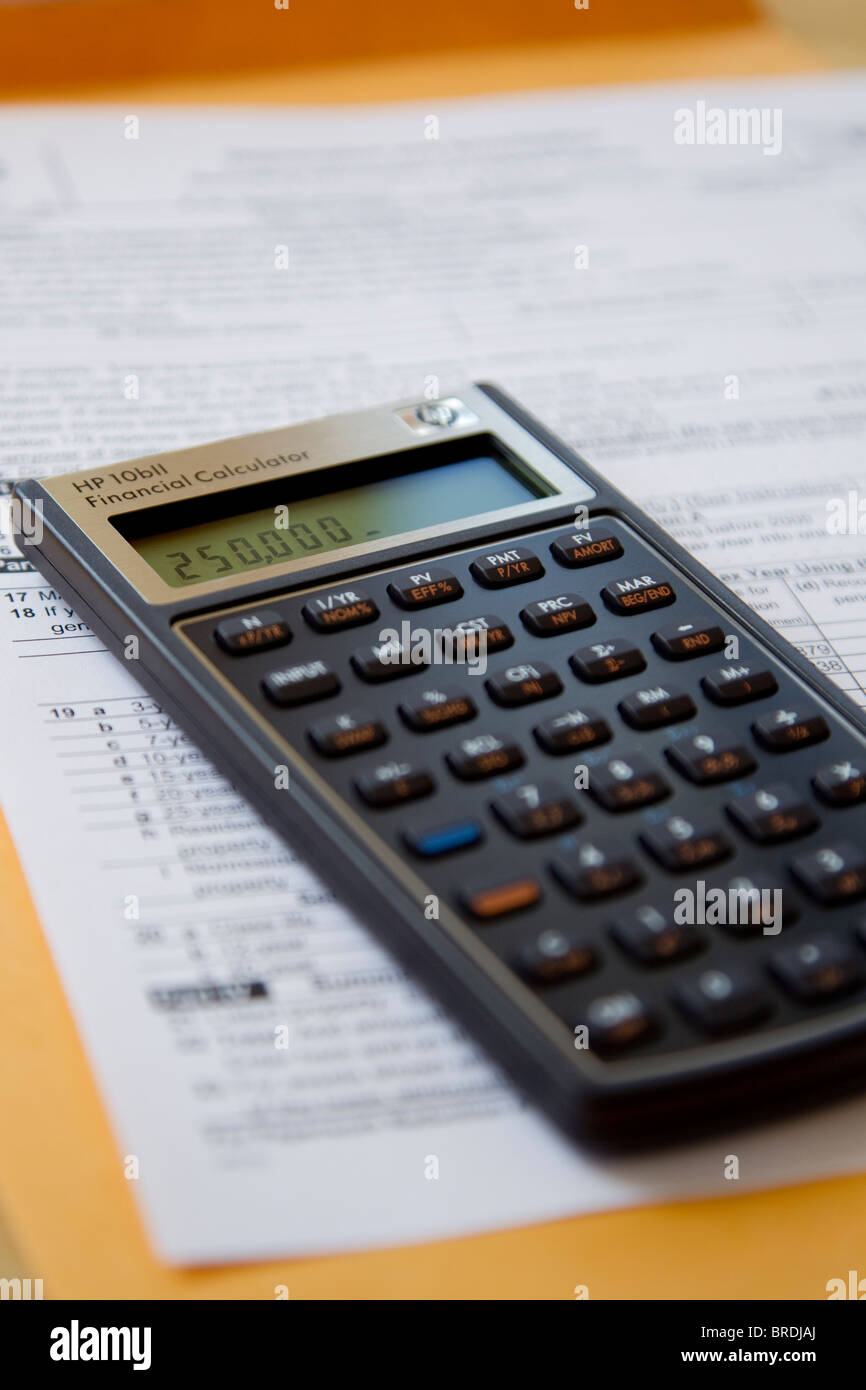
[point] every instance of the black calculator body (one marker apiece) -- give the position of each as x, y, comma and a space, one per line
573, 783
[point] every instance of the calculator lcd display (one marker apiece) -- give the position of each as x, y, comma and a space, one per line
307, 527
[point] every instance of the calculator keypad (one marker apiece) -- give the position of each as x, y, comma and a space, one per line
560, 796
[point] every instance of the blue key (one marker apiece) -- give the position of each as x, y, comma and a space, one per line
431, 841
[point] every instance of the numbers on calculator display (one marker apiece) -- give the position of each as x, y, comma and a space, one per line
266, 547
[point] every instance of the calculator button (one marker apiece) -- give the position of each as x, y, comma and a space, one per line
521, 685
596, 869
577, 728
708, 758
500, 897
392, 783
737, 683
722, 1001
687, 640
339, 609
555, 956
819, 968
424, 588
253, 632
386, 661
637, 593
494, 634
562, 613
347, 733
536, 809
513, 566
841, 784
624, 784
656, 706
294, 685
437, 707
653, 937
833, 874
607, 661
679, 844
786, 729
751, 907
576, 549
773, 813
483, 756
432, 841
618, 1020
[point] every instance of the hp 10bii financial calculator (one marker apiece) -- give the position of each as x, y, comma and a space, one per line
581, 790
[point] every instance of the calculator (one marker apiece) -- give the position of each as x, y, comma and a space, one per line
581, 791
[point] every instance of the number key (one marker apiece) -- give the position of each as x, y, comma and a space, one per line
823, 966
623, 784
680, 844
723, 1001
653, 937
596, 869
535, 809
772, 814
708, 758
832, 874
555, 956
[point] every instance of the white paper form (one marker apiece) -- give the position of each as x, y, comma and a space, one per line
691, 318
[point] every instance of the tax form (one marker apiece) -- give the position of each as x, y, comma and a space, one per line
689, 317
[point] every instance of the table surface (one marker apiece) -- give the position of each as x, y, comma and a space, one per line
66, 1213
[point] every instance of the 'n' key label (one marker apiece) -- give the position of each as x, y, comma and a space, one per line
253, 632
